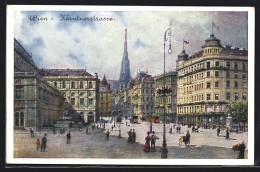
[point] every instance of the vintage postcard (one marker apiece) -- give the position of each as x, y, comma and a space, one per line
130, 85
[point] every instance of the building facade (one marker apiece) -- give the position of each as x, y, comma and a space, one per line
80, 89
138, 97
208, 81
36, 102
105, 99
171, 99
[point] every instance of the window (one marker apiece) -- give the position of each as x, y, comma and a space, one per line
228, 84
208, 74
19, 92
63, 84
235, 75
208, 65
216, 96
81, 101
208, 96
90, 101
244, 85
90, 85
208, 84
39, 93
216, 64
16, 118
244, 96
72, 101
228, 95
22, 119
55, 84
244, 76
216, 73
244, 66
235, 65
81, 84
227, 74
216, 84
236, 84
72, 85
236, 96
228, 64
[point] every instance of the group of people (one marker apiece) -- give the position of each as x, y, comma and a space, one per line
178, 129
149, 145
227, 132
131, 136
43, 144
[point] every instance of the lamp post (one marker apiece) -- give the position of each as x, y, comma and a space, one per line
164, 149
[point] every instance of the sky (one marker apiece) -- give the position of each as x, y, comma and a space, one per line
98, 46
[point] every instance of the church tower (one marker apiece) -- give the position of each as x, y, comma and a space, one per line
125, 65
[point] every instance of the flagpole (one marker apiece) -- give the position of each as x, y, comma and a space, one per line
183, 44
212, 28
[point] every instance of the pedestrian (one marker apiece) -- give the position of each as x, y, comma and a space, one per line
242, 148
97, 126
60, 130
126, 123
129, 136
107, 134
218, 131
38, 143
44, 142
87, 130
32, 133
187, 138
153, 140
112, 127
68, 137
171, 130
147, 142
54, 131
133, 135
227, 134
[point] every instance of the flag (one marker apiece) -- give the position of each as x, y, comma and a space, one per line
186, 42
214, 25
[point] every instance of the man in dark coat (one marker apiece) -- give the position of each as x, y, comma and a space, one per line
87, 130
68, 137
242, 148
44, 141
129, 136
133, 136
187, 138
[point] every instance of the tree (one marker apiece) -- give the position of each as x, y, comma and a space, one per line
238, 111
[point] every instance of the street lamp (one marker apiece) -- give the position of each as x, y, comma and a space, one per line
164, 149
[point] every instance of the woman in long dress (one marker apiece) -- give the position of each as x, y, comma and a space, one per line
147, 142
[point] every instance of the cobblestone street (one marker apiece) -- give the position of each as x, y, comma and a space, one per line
204, 145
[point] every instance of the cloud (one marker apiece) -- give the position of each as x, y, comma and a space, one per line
98, 45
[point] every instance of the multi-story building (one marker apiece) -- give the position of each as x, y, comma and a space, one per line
170, 99
105, 99
138, 97
36, 102
209, 80
79, 88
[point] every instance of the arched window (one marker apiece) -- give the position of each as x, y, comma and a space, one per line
21, 119
55, 84
63, 84
73, 85
81, 84
16, 119
90, 85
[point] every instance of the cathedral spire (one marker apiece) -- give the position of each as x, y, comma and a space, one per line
125, 66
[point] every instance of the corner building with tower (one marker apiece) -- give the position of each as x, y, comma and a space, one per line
208, 81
